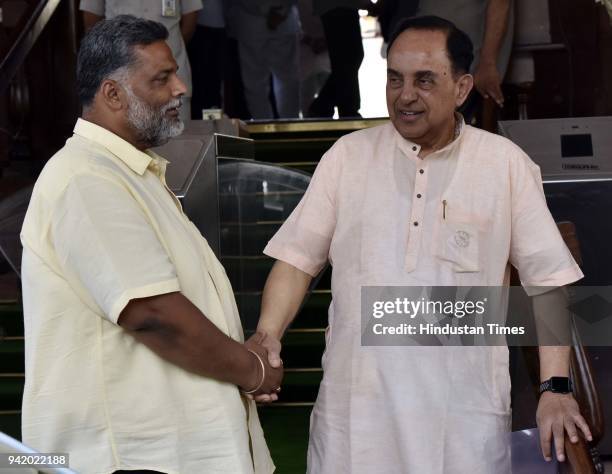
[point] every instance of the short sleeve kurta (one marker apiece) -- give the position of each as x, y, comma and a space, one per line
382, 216
102, 228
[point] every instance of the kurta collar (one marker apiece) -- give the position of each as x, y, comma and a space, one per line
411, 149
135, 159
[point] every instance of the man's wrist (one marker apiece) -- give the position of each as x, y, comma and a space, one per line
560, 385
250, 373
270, 331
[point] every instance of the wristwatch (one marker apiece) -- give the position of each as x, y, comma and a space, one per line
556, 385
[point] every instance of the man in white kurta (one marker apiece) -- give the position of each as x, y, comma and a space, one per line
383, 214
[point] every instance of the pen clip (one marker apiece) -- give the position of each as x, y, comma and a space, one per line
444, 209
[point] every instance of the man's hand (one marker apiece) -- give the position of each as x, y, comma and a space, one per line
558, 413
273, 349
269, 351
488, 82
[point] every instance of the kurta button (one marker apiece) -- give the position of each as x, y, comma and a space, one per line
416, 223
421, 171
414, 148
419, 196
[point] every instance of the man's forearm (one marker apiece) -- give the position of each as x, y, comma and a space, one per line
176, 330
498, 12
554, 332
189, 22
283, 294
554, 362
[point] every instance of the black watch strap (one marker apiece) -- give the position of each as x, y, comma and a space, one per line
556, 385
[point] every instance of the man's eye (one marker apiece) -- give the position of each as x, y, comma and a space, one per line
425, 82
394, 81
162, 80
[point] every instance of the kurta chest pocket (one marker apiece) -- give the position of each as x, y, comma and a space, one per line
458, 239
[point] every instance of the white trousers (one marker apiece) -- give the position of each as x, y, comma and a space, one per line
278, 56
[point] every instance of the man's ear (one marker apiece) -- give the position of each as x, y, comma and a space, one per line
112, 94
463, 88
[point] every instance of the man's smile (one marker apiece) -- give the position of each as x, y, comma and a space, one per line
410, 115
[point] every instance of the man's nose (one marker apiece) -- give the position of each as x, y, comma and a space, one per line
178, 87
408, 92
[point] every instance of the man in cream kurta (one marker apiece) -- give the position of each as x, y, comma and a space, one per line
102, 231
384, 215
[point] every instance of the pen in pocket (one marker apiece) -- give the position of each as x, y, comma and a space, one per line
444, 209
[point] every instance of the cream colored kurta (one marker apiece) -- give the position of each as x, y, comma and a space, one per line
374, 210
102, 228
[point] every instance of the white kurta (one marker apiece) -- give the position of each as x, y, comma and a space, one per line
374, 210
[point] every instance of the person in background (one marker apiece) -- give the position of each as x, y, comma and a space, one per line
207, 51
268, 40
489, 24
178, 16
135, 354
340, 20
314, 58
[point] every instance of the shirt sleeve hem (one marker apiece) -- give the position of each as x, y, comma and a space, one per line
154, 289
292, 258
557, 279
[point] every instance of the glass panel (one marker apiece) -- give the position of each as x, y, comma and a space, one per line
254, 200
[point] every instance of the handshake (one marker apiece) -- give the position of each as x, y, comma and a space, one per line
267, 374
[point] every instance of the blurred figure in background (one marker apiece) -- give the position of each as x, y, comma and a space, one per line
314, 58
488, 23
178, 16
268, 37
207, 50
340, 20
390, 12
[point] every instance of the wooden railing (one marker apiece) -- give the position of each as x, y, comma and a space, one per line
24, 41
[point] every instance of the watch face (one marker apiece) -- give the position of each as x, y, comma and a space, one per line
560, 385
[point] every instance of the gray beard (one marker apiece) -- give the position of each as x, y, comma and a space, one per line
152, 126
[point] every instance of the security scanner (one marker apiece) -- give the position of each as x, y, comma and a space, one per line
575, 159
192, 172
255, 199
236, 203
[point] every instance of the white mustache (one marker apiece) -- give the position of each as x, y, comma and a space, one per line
173, 104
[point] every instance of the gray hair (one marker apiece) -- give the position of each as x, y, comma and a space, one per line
107, 51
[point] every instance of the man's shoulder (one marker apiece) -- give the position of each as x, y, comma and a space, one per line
367, 138
77, 157
358, 148
491, 146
